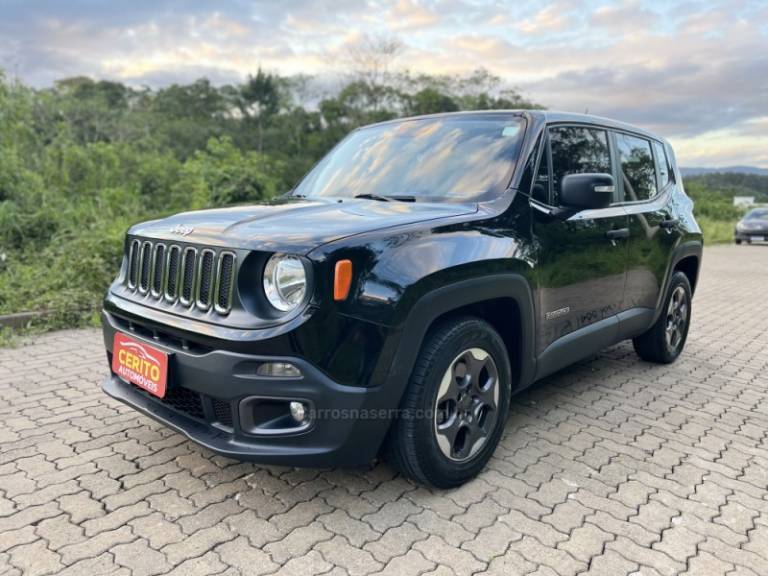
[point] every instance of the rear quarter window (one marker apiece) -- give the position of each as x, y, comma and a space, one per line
662, 164
637, 168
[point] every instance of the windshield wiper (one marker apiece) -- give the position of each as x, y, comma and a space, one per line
399, 197
370, 196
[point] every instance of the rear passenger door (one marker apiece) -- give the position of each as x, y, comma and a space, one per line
645, 182
581, 260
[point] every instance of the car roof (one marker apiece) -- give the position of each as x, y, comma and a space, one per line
548, 116
551, 116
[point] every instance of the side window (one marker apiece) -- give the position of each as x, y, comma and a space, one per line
638, 172
540, 189
662, 164
577, 150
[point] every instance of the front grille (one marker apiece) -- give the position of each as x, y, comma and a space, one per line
145, 268
172, 274
205, 285
158, 269
160, 336
184, 400
133, 263
190, 277
177, 398
226, 276
222, 412
190, 403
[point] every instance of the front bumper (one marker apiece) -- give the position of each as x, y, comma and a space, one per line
206, 389
750, 235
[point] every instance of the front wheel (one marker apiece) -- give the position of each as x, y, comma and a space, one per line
664, 341
455, 407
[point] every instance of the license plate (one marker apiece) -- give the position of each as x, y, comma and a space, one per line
758, 238
140, 364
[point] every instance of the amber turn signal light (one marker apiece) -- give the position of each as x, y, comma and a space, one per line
342, 279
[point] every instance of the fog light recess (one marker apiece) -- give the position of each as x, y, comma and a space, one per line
278, 370
269, 416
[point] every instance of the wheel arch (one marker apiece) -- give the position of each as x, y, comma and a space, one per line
503, 315
685, 258
503, 300
689, 265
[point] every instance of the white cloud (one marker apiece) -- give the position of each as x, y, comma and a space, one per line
624, 17
695, 71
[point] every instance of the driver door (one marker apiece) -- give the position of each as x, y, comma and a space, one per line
581, 260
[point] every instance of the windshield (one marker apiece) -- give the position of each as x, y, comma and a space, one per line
459, 157
757, 215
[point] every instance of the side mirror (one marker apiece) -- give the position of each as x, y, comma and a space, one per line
585, 191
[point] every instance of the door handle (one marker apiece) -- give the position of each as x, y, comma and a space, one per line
668, 223
617, 233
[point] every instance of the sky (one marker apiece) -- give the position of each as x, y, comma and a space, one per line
696, 72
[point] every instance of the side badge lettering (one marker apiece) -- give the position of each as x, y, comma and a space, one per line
557, 313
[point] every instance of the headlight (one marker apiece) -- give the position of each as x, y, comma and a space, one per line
285, 282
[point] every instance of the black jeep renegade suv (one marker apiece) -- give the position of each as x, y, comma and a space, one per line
423, 272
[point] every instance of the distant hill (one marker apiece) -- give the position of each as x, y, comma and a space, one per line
730, 184
697, 171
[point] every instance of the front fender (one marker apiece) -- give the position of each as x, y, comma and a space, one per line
407, 278
395, 269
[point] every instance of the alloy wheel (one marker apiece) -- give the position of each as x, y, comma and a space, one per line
466, 407
677, 318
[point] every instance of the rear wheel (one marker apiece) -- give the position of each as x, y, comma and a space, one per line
738, 242
455, 406
665, 340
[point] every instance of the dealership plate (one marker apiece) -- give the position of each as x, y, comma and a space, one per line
140, 364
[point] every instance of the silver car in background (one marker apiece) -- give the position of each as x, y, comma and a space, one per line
753, 227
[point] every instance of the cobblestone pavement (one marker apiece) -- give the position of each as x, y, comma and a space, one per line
611, 467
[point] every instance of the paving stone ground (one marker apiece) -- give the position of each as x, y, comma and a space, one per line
612, 467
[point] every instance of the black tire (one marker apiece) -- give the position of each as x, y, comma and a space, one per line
654, 345
413, 446
738, 242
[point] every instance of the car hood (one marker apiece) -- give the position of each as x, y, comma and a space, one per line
754, 223
288, 225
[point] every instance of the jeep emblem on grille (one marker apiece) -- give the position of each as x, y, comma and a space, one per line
182, 230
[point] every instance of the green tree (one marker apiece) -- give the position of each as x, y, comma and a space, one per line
260, 100
430, 101
222, 175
